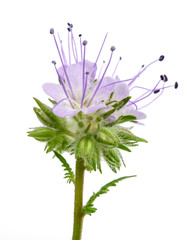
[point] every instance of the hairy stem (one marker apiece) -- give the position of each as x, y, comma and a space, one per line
78, 200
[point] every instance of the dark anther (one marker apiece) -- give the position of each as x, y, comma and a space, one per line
176, 85
142, 65
84, 42
120, 58
112, 48
69, 29
161, 58
162, 77
165, 78
54, 62
156, 91
79, 35
51, 31
87, 73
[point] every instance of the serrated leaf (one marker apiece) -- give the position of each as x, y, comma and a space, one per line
69, 173
122, 119
88, 208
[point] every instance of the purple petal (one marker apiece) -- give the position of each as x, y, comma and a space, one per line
63, 110
93, 108
54, 90
121, 91
131, 111
75, 74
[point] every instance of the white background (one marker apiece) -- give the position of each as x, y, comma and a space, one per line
35, 201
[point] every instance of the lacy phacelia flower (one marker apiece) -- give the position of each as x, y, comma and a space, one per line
80, 90
89, 106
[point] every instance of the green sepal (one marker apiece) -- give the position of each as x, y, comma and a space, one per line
52, 101
42, 134
121, 119
89, 208
58, 123
123, 147
112, 158
121, 103
69, 173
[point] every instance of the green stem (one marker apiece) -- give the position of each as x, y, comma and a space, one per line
78, 200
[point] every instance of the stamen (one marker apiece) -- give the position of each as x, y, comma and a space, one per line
84, 92
101, 69
69, 46
62, 51
58, 103
156, 97
116, 67
62, 84
98, 55
140, 72
156, 91
74, 48
83, 79
112, 50
141, 98
52, 32
126, 80
80, 36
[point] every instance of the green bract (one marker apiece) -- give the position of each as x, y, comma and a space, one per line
91, 137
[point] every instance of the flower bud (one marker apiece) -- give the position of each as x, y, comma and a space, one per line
107, 138
85, 147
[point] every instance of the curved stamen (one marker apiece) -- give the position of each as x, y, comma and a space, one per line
140, 72
141, 98
52, 32
58, 103
156, 97
107, 85
112, 50
62, 84
116, 67
134, 104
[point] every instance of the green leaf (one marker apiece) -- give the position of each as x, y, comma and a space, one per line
88, 208
69, 175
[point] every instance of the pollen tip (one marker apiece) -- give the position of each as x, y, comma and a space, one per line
165, 78
112, 48
156, 91
79, 35
69, 29
51, 31
142, 66
54, 62
161, 58
87, 73
120, 58
70, 25
162, 77
176, 85
84, 42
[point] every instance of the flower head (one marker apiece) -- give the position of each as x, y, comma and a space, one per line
89, 106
